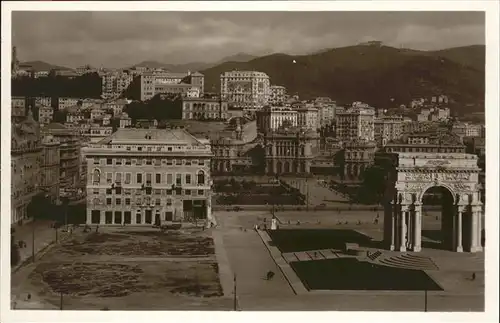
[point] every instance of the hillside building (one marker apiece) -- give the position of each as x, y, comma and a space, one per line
245, 90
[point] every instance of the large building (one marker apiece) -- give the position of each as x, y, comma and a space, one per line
45, 114
326, 111
49, 172
148, 176
307, 118
26, 160
358, 156
69, 139
114, 83
273, 118
290, 151
387, 128
247, 90
185, 84
204, 109
356, 123
277, 95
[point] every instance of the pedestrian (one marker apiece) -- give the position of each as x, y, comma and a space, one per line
97, 228
28, 297
270, 275
473, 276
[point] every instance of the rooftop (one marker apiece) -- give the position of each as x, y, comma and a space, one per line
134, 135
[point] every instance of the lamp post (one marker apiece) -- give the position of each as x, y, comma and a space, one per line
234, 294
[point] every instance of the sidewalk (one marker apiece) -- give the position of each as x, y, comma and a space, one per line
45, 235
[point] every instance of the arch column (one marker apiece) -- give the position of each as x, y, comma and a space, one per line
460, 213
404, 228
417, 228
476, 229
393, 213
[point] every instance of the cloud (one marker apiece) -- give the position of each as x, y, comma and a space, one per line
117, 39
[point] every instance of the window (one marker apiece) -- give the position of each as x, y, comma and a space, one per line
96, 191
157, 161
169, 148
169, 202
118, 162
188, 162
178, 191
97, 161
187, 192
118, 177
169, 161
158, 178
178, 161
139, 178
169, 178
108, 201
201, 178
148, 162
96, 176
109, 178
127, 201
178, 179
109, 191
169, 192
118, 201
188, 178
127, 161
200, 192
148, 178
109, 161
202, 162
138, 201
127, 178
157, 202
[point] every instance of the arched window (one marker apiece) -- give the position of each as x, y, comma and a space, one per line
96, 176
201, 177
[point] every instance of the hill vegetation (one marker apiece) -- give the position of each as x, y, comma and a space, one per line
372, 74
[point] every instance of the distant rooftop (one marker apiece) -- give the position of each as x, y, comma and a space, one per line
172, 136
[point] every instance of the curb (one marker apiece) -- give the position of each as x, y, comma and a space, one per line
293, 280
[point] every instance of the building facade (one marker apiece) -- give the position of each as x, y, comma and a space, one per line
387, 128
204, 109
290, 151
358, 156
45, 114
69, 153
114, 83
185, 84
273, 118
49, 172
277, 95
246, 90
26, 161
356, 123
148, 176
307, 118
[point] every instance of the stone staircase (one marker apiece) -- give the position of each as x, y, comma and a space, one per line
409, 261
375, 255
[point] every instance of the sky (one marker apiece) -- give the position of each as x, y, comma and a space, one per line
121, 39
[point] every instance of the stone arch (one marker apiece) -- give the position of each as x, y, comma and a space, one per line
279, 167
425, 188
286, 167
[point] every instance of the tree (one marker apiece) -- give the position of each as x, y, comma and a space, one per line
373, 186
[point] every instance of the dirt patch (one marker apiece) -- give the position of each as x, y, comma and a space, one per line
142, 243
81, 279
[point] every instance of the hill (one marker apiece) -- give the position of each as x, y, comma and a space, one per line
371, 74
473, 56
43, 66
196, 66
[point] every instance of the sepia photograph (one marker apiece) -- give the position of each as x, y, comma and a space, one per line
224, 160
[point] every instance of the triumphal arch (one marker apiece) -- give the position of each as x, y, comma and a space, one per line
414, 173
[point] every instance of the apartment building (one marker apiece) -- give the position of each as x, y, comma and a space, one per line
148, 176
356, 122
277, 95
246, 90
114, 83
185, 84
387, 128
204, 109
273, 118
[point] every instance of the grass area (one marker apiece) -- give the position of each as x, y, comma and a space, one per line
351, 274
294, 240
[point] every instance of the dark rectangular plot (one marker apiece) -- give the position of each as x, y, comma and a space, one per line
294, 240
351, 274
